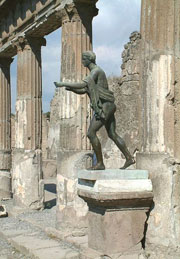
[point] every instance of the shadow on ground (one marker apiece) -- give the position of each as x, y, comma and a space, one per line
50, 195
50, 187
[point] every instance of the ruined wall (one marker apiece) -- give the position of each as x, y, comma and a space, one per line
45, 131
128, 101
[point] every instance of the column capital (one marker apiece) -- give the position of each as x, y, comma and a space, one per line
5, 61
26, 42
78, 11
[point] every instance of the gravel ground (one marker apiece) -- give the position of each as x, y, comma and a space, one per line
27, 223
45, 218
8, 252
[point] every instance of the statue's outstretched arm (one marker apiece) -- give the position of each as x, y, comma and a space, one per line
77, 91
71, 85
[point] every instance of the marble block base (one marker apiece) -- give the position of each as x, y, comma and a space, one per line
118, 202
71, 209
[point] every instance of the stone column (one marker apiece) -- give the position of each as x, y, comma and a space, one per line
28, 124
74, 111
5, 128
160, 84
70, 113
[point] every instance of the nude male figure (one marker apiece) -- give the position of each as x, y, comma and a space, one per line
102, 103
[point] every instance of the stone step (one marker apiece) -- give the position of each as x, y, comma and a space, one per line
31, 241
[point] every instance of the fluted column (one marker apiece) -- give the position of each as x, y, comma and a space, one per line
158, 46
75, 109
5, 128
160, 84
27, 157
29, 94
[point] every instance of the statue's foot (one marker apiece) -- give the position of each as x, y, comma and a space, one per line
128, 163
98, 166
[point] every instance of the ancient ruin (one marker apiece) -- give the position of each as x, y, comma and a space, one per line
34, 147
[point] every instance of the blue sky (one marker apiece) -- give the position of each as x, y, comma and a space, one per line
111, 30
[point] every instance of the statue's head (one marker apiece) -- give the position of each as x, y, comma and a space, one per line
88, 57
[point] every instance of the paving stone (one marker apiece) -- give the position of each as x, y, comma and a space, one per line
56, 253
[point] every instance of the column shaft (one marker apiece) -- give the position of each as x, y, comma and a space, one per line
5, 128
27, 156
160, 84
157, 29
75, 109
29, 96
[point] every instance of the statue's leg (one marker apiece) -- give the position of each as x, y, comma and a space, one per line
111, 130
95, 125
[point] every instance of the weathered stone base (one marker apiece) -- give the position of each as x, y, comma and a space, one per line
71, 209
26, 176
161, 252
115, 230
118, 202
5, 159
5, 184
163, 227
135, 253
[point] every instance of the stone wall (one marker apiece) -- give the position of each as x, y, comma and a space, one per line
128, 102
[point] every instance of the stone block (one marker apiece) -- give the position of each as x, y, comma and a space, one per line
118, 203
71, 209
5, 159
5, 185
161, 222
49, 168
115, 231
26, 177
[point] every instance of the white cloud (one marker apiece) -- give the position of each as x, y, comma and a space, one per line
109, 59
111, 30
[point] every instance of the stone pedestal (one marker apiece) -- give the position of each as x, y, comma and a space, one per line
118, 202
71, 209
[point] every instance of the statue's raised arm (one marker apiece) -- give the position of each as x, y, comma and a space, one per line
70, 85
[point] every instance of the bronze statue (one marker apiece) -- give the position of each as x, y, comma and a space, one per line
102, 103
